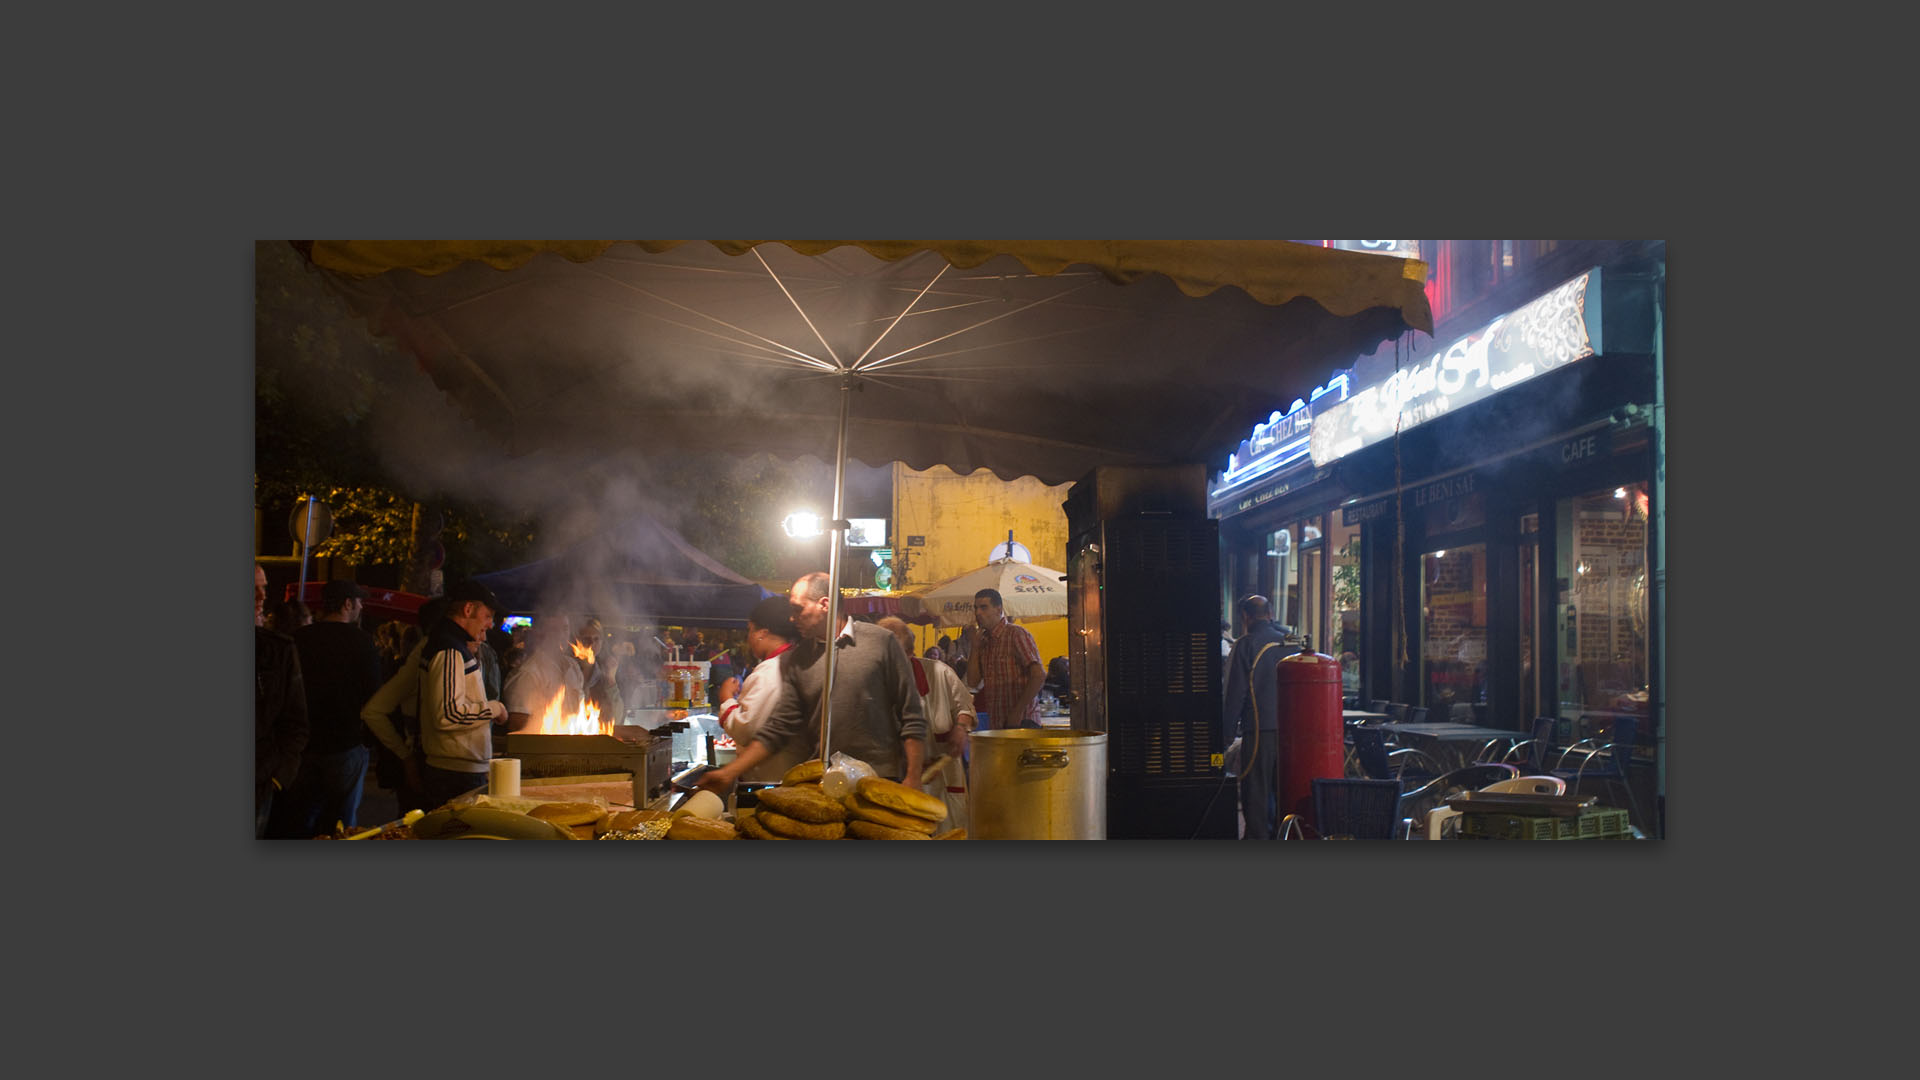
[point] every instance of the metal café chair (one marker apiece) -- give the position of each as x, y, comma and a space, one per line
1530, 753
1396, 712
1417, 714
1607, 761
1379, 706
1421, 802
1411, 768
1378, 761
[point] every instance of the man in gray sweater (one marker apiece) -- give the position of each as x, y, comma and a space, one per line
878, 716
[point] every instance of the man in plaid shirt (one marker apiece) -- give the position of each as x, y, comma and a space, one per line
1004, 671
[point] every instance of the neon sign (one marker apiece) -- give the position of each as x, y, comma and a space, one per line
1284, 438
1553, 330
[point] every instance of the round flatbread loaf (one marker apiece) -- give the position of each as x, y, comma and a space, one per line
750, 825
952, 834
862, 810
699, 828
568, 813
898, 796
581, 832
807, 772
867, 830
803, 802
776, 822
626, 820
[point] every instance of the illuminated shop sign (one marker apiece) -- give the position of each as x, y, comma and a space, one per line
1283, 439
1261, 494
1399, 249
1554, 330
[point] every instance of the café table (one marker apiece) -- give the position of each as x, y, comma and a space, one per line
1361, 716
1452, 745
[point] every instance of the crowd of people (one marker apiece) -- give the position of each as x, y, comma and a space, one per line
422, 706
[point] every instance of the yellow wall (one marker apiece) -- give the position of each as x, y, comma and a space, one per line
962, 517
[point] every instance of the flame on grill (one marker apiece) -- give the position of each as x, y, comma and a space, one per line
582, 652
582, 721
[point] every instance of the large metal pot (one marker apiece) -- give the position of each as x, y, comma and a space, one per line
1038, 784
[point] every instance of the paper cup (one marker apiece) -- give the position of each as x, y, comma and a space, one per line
503, 776
705, 804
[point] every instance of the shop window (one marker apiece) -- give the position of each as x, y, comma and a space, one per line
1283, 558
1273, 570
1453, 631
1602, 608
1343, 556
1311, 560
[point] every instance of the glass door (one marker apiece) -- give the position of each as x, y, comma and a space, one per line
1312, 562
1453, 638
1603, 657
1343, 544
1283, 576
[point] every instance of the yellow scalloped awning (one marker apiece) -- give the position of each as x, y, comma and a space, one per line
1274, 273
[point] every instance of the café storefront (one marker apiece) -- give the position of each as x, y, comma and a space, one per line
1474, 534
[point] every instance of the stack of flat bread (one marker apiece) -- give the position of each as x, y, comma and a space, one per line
880, 809
796, 810
583, 819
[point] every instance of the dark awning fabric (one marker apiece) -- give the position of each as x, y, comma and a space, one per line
1026, 358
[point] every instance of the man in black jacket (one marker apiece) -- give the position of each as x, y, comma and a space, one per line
279, 710
340, 665
1251, 680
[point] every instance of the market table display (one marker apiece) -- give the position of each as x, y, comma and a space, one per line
592, 808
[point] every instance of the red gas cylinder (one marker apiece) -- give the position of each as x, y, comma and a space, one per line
1312, 736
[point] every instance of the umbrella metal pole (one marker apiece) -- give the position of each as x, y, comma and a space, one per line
836, 529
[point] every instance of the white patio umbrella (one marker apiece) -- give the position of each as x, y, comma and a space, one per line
1030, 593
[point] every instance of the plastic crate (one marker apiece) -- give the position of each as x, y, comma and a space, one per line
1604, 823
1516, 827
1594, 823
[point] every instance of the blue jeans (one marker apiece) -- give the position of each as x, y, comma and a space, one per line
326, 791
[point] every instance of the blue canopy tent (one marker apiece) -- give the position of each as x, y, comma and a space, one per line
637, 571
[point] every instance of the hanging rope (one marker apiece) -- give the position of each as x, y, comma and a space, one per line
1399, 542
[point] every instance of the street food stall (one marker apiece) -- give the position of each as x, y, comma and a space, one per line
1110, 340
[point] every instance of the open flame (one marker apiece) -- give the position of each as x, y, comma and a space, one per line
583, 721
582, 652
